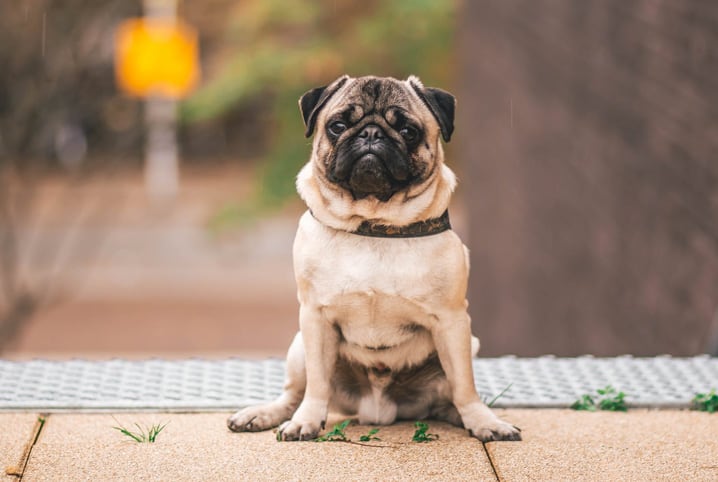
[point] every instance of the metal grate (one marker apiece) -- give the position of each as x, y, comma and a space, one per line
197, 385
550, 382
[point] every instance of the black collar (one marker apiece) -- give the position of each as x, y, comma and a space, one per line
413, 230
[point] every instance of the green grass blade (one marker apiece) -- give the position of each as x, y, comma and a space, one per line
491, 403
146, 434
126, 432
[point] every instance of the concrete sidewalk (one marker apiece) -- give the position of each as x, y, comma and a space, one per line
558, 445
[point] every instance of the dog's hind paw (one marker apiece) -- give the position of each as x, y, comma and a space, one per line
258, 418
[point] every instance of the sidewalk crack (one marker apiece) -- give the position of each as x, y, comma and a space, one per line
19, 470
491, 461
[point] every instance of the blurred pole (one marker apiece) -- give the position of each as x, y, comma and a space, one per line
161, 149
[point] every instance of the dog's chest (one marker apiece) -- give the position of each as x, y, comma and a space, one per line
366, 276
379, 328
380, 293
374, 296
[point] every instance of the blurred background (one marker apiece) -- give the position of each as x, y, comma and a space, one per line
140, 220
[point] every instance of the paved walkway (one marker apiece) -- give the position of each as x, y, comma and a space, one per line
558, 445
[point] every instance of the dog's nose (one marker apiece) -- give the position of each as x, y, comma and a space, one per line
371, 133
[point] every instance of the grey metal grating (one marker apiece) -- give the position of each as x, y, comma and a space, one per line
196, 384
552, 382
149, 384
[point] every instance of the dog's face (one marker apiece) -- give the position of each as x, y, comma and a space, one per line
377, 136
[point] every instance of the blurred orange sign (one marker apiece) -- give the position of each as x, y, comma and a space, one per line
156, 56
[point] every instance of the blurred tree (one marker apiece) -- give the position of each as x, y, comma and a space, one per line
594, 195
277, 50
56, 92
58, 100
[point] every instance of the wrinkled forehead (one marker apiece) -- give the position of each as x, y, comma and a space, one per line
368, 95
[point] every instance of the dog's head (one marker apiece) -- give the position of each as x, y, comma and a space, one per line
377, 136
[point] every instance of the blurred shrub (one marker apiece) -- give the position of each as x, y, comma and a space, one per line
276, 50
58, 99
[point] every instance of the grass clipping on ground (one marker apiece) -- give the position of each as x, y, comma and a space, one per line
147, 434
706, 402
608, 399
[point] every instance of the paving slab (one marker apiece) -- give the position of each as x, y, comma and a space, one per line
639, 445
199, 447
17, 431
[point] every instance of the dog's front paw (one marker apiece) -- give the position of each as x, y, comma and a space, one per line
306, 423
291, 431
258, 418
495, 431
481, 423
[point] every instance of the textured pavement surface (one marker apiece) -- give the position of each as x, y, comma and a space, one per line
17, 432
558, 445
610, 446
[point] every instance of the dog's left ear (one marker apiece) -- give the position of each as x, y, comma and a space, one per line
312, 102
441, 104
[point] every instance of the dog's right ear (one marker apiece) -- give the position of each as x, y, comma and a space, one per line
440, 103
312, 102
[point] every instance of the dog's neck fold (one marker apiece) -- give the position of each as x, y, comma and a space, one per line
336, 208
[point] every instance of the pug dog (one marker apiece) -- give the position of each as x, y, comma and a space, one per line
381, 278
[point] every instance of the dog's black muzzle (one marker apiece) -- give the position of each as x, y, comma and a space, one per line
371, 163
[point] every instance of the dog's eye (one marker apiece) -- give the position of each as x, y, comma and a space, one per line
409, 133
337, 128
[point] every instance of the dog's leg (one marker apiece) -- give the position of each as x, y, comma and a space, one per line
452, 335
320, 345
446, 412
269, 415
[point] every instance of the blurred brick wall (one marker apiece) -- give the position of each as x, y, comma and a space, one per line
589, 132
